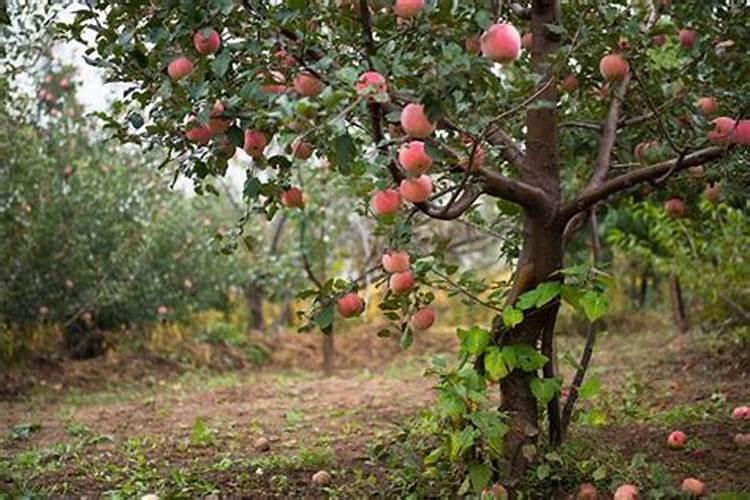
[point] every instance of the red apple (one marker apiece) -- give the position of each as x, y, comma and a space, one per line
216, 123
741, 413
386, 202
286, 58
396, 261
495, 492
371, 83
302, 149
401, 282
350, 305
416, 190
293, 197
613, 67
308, 85
501, 43
198, 133
693, 487
676, 440
587, 491
675, 208
414, 121
707, 105
413, 158
687, 38
570, 83
423, 319
408, 8
206, 41
180, 68
255, 143
64, 84
723, 127
626, 492
742, 440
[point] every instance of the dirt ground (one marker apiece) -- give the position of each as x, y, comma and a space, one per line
134, 425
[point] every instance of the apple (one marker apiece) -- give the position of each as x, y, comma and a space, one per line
742, 440
527, 40
569, 83
626, 492
416, 190
613, 67
707, 105
371, 83
396, 261
321, 478
473, 45
675, 208
723, 127
693, 487
64, 84
713, 192
408, 8
293, 197
162, 310
179, 68
676, 440
302, 149
401, 282
423, 319
659, 40
350, 305
279, 82
414, 121
198, 133
741, 413
216, 123
495, 492
501, 43
286, 58
255, 143
206, 41
687, 38
587, 491
386, 202
413, 158
307, 85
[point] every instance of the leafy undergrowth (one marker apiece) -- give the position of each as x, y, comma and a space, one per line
195, 433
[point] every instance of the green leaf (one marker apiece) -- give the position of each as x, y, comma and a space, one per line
324, 317
590, 388
527, 299
345, 152
450, 404
600, 473
512, 316
495, 365
528, 358
572, 295
546, 292
475, 340
544, 389
434, 456
594, 304
461, 442
480, 476
543, 471
220, 65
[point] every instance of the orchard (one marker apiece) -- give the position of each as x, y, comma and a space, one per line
600, 148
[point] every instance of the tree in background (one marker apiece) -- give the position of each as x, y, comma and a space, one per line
433, 109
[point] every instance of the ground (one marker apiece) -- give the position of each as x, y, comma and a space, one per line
129, 426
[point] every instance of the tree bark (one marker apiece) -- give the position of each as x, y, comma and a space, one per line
329, 353
678, 304
254, 297
644, 288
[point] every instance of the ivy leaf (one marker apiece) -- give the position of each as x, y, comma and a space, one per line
594, 304
479, 475
474, 341
544, 389
512, 316
495, 365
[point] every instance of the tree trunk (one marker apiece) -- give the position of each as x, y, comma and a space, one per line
254, 296
541, 252
678, 304
644, 288
328, 353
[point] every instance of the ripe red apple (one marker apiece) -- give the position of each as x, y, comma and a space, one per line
286, 58
501, 43
423, 319
728, 130
569, 83
659, 40
472, 45
255, 143
741, 413
401, 282
587, 491
416, 190
613, 67
707, 105
350, 305
687, 38
302, 149
676, 440
713, 192
742, 132
293, 197
742, 440
396, 261
527, 40
206, 41
408, 8
675, 208
415, 123
386, 202
413, 158
307, 85
198, 133
216, 123
64, 84
693, 487
371, 83
180, 68
626, 492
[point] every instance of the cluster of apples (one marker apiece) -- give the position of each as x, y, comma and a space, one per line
53, 88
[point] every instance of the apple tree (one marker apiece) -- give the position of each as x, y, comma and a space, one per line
437, 109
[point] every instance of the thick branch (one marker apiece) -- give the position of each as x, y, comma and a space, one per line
597, 193
526, 195
609, 134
